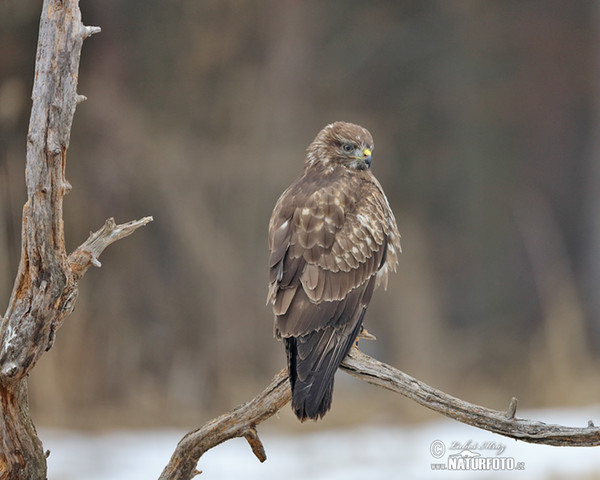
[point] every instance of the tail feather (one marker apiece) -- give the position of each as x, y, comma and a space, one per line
313, 360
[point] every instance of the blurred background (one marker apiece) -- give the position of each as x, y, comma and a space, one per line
486, 123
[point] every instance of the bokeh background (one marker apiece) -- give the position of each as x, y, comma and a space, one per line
487, 130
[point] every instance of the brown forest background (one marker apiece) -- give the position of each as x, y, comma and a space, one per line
487, 129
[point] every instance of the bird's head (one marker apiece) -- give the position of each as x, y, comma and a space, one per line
341, 143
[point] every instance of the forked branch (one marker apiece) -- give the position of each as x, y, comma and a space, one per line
47, 281
245, 418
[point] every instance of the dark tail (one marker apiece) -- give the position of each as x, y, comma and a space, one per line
313, 360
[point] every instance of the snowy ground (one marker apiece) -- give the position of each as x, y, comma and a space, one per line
357, 453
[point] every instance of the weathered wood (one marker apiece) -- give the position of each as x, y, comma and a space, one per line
86, 255
504, 423
239, 422
43, 277
246, 417
46, 285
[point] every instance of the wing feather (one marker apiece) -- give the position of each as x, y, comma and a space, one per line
327, 239
283, 300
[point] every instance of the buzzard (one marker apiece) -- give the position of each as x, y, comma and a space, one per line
332, 239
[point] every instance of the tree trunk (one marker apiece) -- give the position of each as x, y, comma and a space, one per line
46, 285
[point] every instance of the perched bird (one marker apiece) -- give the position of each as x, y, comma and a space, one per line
332, 239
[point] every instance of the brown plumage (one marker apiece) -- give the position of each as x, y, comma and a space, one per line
332, 238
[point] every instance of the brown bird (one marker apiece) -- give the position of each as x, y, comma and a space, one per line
332, 238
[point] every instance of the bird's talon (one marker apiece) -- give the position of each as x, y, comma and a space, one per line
364, 333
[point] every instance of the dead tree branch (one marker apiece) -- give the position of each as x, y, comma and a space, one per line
504, 423
47, 281
244, 419
88, 252
239, 422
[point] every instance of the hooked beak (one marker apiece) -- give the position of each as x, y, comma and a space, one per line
367, 157
363, 161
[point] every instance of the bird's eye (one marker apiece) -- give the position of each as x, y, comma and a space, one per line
348, 148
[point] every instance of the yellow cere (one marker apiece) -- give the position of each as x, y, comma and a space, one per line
367, 152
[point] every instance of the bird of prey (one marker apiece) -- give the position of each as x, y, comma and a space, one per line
332, 239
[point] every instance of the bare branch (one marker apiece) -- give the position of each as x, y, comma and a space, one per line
242, 421
504, 423
239, 422
88, 252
